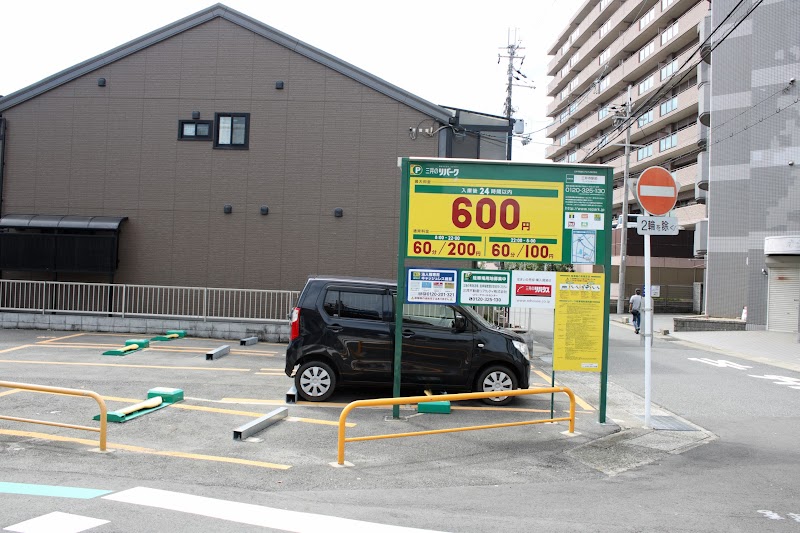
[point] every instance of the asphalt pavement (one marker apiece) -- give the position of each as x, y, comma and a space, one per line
668, 432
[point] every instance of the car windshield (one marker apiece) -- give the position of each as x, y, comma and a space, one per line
478, 318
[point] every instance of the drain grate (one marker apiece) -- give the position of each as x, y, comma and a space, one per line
669, 423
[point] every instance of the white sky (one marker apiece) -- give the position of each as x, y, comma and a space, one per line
444, 51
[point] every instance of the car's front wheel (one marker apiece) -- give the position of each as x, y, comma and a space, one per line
315, 381
496, 379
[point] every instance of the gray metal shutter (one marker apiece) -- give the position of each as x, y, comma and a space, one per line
784, 298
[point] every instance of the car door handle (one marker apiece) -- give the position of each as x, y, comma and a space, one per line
480, 345
335, 328
407, 333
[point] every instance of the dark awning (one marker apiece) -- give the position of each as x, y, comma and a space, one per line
61, 222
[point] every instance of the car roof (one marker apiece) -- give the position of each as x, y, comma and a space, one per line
355, 280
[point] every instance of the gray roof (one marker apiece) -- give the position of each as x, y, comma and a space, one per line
268, 32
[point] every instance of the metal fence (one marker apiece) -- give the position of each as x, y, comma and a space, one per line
200, 303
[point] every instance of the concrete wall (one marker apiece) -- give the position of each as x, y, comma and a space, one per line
322, 142
754, 192
271, 331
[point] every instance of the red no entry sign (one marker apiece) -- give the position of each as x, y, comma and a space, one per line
657, 191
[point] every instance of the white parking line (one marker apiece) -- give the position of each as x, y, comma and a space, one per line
245, 513
57, 523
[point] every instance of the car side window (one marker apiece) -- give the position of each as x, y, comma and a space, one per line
347, 304
432, 315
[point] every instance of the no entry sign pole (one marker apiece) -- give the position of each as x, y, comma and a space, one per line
657, 193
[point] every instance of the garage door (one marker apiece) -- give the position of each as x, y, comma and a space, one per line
784, 299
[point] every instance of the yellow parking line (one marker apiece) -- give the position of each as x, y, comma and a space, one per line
12, 391
17, 348
578, 400
150, 451
61, 338
315, 421
126, 366
83, 346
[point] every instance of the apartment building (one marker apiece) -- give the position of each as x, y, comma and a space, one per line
650, 50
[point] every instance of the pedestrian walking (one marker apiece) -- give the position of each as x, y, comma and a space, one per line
635, 308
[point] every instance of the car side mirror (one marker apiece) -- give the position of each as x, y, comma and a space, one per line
460, 323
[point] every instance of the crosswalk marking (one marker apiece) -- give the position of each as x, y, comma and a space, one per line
246, 513
57, 522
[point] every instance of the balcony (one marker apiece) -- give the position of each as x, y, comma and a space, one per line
630, 70
589, 35
704, 171
616, 84
687, 142
687, 102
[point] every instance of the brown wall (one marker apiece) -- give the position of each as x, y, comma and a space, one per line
324, 141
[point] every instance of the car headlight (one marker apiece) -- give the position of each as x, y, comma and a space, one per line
523, 349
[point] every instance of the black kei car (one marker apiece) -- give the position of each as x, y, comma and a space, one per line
343, 333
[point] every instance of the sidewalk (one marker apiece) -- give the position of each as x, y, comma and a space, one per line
768, 347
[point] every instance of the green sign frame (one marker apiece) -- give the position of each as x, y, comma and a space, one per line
493, 211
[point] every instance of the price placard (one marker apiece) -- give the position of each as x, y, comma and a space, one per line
482, 219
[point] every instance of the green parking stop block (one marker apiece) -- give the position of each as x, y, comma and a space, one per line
128, 348
181, 333
434, 407
168, 395
142, 343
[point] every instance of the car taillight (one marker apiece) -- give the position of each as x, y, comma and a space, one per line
295, 323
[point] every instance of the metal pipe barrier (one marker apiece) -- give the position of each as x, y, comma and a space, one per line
449, 397
69, 392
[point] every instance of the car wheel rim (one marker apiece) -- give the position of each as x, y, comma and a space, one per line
496, 382
315, 381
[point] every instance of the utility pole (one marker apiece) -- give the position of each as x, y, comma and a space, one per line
512, 49
623, 247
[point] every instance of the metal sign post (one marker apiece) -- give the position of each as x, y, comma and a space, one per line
657, 193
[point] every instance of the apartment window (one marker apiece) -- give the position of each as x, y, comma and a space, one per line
574, 36
572, 157
667, 70
646, 85
645, 152
645, 52
564, 70
573, 107
573, 131
645, 119
574, 83
604, 28
194, 130
666, 3
604, 4
564, 93
232, 131
603, 113
669, 106
604, 83
647, 18
563, 140
670, 141
565, 47
574, 59
603, 141
669, 33
604, 56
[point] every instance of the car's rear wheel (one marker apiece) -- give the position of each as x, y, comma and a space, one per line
496, 379
315, 381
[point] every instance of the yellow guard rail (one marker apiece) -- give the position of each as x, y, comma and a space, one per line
69, 392
449, 397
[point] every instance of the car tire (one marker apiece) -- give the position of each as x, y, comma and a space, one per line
315, 381
496, 378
